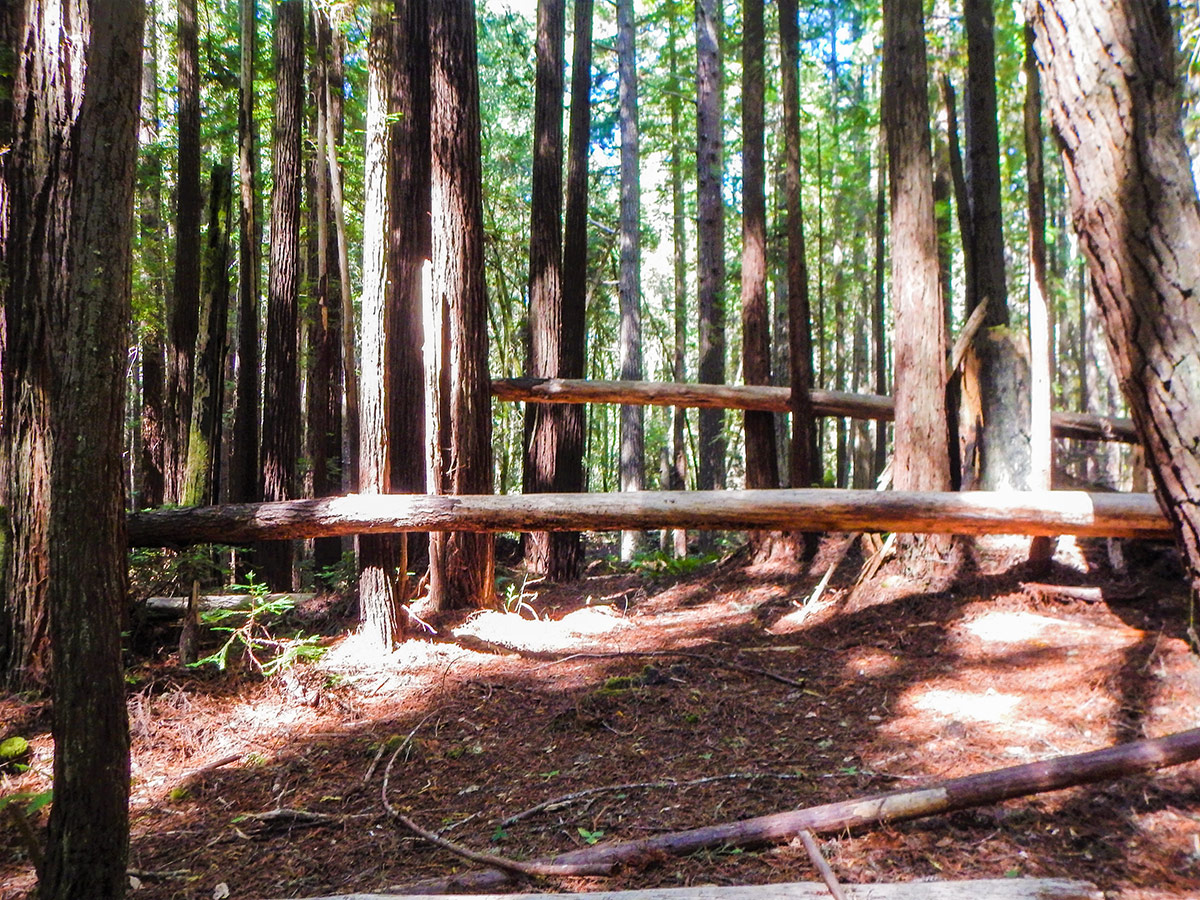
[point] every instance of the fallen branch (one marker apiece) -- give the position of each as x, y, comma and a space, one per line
499, 863
1079, 592
567, 799
896, 806
822, 867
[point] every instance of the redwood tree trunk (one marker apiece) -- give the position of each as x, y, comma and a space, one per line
462, 567
921, 457
710, 233
543, 425
1113, 87
68, 305
629, 279
183, 322
281, 394
679, 461
762, 462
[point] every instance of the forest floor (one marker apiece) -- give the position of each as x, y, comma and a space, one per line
894, 684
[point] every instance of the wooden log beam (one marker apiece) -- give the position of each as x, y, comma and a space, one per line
817, 510
976, 889
1082, 426
968, 792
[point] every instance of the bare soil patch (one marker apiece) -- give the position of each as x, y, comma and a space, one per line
890, 684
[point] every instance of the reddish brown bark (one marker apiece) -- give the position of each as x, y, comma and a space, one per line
1113, 94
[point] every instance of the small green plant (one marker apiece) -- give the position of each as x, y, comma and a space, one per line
499, 834
248, 636
28, 802
663, 564
590, 837
516, 599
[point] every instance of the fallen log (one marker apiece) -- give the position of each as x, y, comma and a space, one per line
174, 607
1082, 426
978, 889
815, 510
896, 806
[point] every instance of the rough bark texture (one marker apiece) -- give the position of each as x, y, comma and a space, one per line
1113, 95
812, 509
804, 429
462, 568
679, 461
281, 392
183, 323
762, 462
543, 425
629, 279
710, 234
243, 466
921, 461
379, 558
202, 478
68, 302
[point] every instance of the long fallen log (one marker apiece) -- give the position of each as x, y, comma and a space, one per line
1083, 426
976, 889
896, 806
816, 510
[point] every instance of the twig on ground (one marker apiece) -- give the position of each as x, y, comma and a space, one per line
374, 763
534, 869
814, 853
708, 660
209, 767
568, 799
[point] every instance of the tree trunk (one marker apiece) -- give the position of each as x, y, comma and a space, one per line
243, 466
1114, 86
878, 307
1041, 446
633, 463
921, 461
71, 174
762, 462
281, 393
566, 548
710, 234
679, 459
150, 484
202, 477
543, 425
183, 322
462, 569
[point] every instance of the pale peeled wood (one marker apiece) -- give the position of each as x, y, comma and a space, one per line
811, 510
982, 889
1083, 426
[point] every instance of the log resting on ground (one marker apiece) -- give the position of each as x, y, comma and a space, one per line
967, 792
1082, 426
815, 510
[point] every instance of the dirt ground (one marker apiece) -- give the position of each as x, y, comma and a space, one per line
891, 684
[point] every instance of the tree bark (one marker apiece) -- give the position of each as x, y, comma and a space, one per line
762, 462
633, 463
1113, 86
281, 393
71, 174
379, 556
543, 425
811, 509
202, 477
243, 466
710, 234
183, 322
462, 566
921, 461
679, 459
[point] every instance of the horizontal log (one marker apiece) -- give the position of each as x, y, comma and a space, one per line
174, 607
1082, 426
813, 510
968, 792
976, 889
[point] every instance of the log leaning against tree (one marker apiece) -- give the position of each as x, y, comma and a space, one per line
818, 510
1082, 426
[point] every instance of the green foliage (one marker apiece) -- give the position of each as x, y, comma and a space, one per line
29, 802
590, 837
13, 749
248, 637
662, 563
